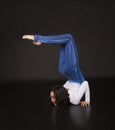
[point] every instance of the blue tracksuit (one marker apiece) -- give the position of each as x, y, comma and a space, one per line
68, 62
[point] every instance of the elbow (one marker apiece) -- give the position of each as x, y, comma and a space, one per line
75, 101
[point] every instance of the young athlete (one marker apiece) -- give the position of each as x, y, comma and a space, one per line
76, 86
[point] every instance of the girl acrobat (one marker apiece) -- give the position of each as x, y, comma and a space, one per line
76, 86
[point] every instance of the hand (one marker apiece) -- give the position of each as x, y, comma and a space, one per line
28, 37
84, 103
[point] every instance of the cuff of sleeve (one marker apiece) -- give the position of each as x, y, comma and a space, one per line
36, 38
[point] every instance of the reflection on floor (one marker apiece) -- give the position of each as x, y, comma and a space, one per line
25, 105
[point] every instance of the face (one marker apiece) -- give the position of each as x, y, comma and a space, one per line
52, 97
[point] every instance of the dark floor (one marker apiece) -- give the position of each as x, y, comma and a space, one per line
25, 106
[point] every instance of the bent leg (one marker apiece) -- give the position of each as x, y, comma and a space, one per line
69, 63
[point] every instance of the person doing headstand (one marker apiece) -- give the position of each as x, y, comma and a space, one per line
76, 86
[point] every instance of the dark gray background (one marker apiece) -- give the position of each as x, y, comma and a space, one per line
92, 24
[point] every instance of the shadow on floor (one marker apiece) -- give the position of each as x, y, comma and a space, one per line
25, 105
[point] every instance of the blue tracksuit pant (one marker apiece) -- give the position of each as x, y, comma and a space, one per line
68, 62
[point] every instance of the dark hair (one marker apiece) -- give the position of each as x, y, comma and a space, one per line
61, 95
